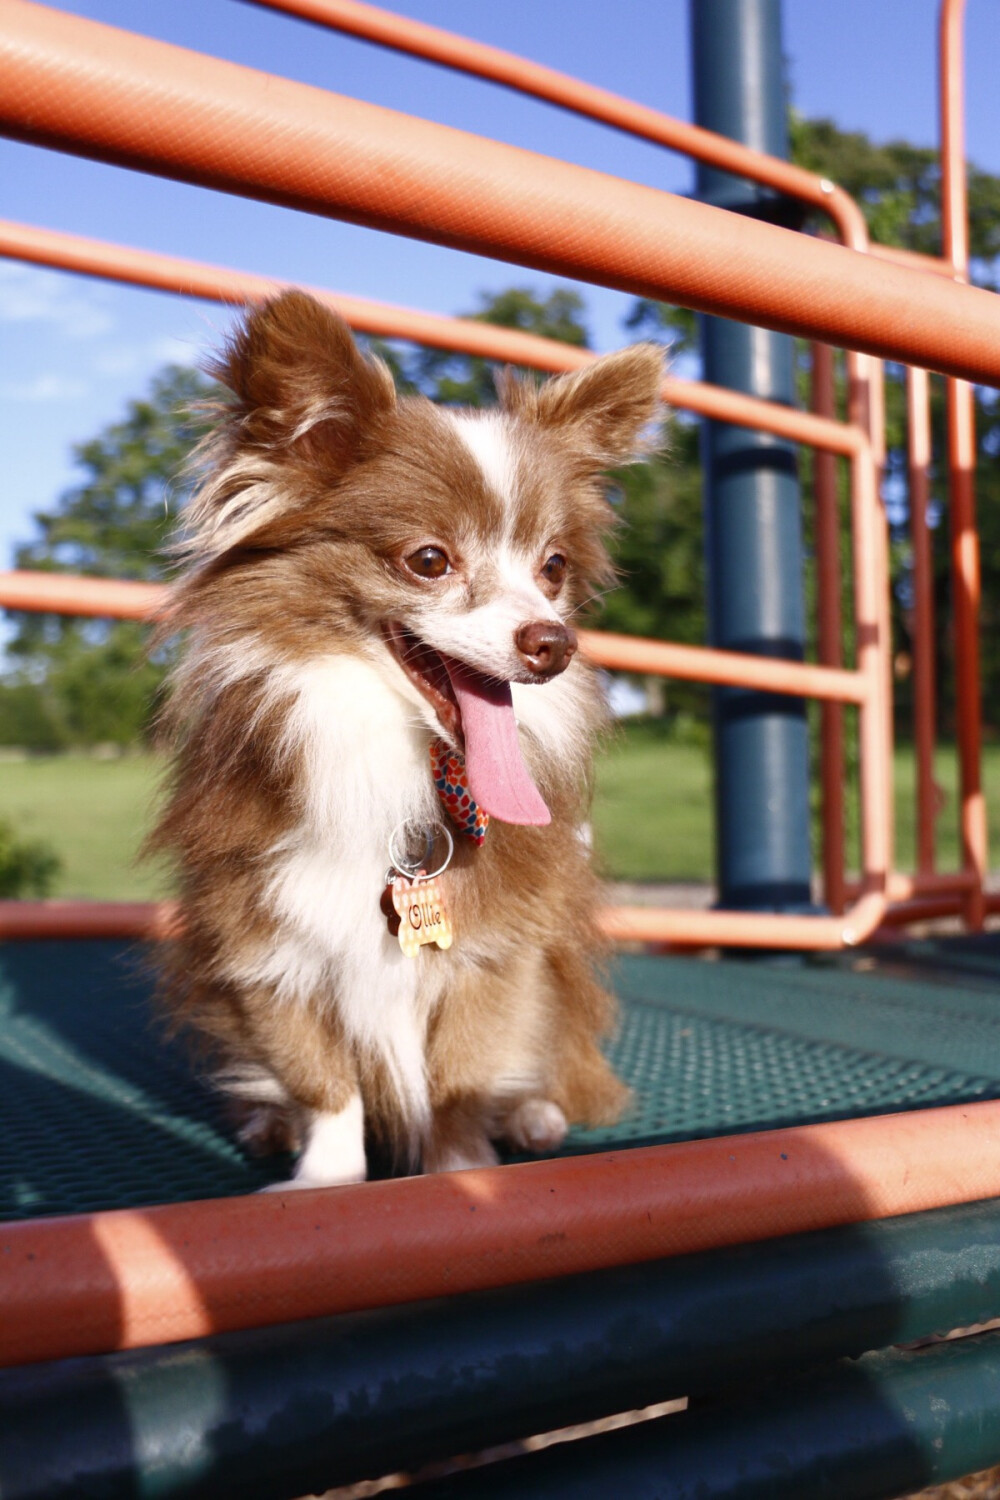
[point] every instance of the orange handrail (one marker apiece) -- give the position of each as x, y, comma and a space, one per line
401, 34
169, 273
72, 83
132, 1277
69, 593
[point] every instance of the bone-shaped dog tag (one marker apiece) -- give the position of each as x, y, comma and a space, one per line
423, 914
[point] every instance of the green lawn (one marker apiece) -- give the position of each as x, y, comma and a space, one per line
94, 813
652, 814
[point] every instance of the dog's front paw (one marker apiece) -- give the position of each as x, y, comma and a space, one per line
306, 1180
536, 1125
460, 1156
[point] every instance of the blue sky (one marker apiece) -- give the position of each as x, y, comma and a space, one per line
74, 351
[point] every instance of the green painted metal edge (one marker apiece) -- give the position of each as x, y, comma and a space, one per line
877, 1428
291, 1410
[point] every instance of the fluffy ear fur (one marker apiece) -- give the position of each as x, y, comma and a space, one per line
293, 366
305, 398
602, 408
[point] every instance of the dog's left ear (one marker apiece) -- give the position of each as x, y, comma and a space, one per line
601, 409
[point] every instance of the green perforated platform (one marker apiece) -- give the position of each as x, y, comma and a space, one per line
98, 1110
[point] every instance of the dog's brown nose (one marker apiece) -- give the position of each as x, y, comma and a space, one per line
545, 646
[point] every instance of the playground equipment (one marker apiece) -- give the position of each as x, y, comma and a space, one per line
816, 1240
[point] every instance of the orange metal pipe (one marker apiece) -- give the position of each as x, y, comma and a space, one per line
401, 34
77, 85
698, 664
710, 929
903, 887
922, 626
66, 593
874, 757
169, 273
119, 1280
935, 264
151, 921
72, 594
966, 590
954, 206
966, 583
145, 921
830, 633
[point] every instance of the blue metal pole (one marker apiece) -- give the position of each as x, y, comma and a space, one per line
752, 511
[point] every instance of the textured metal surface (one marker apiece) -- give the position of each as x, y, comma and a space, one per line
96, 1106
99, 1110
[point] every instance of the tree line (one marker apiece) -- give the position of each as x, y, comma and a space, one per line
72, 683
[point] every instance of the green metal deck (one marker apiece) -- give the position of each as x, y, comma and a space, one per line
98, 1109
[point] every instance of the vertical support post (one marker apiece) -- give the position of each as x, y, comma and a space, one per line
922, 628
830, 634
752, 508
960, 402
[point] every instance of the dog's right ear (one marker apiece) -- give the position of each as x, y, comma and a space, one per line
305, 400
300, 380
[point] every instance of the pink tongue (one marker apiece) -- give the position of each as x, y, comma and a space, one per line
498, 778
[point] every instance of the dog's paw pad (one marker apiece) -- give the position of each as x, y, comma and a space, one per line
536, 1125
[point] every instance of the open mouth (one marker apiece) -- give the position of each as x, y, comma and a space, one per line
427, 670
477, 714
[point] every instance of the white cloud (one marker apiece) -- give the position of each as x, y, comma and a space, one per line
43, 388
129, 359
31, 294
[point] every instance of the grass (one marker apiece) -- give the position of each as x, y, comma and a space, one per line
652, 813
94, 813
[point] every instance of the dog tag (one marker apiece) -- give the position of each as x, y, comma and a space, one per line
423, 914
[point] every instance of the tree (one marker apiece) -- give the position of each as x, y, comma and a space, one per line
78, 681
28, 867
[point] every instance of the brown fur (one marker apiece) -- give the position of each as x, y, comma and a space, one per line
318, 480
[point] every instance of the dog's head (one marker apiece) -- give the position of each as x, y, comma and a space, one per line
454, 547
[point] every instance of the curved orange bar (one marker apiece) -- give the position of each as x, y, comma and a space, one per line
67, 593
120, 1280
400, 34
152, 921
712, 929
168, 273
74, 84
700, 664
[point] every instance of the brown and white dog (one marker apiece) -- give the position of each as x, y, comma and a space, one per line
367, 574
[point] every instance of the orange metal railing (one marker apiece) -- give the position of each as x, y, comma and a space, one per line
93, 1283
74, 84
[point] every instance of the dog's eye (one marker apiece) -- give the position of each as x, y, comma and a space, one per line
554, 569
429, 562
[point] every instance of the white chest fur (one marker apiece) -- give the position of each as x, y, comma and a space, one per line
364, 753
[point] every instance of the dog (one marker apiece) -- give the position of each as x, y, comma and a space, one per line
380, 675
